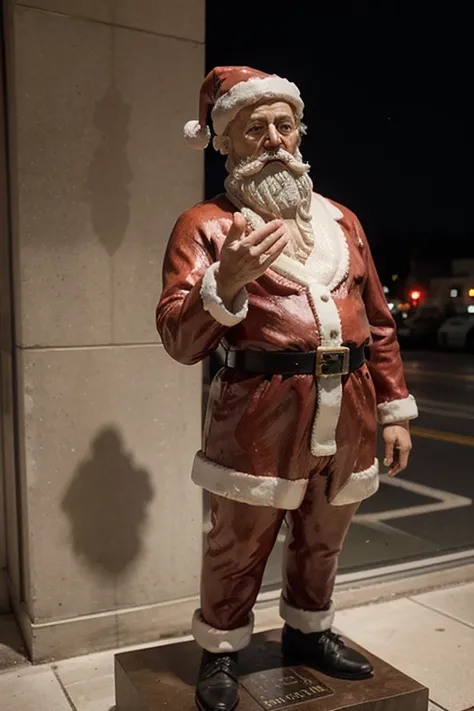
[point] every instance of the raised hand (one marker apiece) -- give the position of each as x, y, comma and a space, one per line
245, 258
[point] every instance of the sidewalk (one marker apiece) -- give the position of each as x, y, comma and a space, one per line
429, 637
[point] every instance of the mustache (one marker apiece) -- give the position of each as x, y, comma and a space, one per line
253, 166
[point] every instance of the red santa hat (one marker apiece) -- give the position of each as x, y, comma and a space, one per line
227, 90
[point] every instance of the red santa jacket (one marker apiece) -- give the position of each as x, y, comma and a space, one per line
262, 435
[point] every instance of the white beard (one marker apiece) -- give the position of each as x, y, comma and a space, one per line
277, 185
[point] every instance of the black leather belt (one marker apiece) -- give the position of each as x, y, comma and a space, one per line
323, 363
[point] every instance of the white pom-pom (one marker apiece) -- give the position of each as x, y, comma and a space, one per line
197, 136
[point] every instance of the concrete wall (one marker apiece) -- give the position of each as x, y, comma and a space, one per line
109, 424
9, 553
4, 336
3, 541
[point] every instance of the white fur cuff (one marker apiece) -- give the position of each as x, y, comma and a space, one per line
360, 486
247, 488
213, 303
397, 410
221, 641
304, 620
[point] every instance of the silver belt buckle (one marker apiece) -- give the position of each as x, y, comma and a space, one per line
332, 362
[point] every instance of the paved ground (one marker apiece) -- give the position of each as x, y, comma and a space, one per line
430, 637
443, 455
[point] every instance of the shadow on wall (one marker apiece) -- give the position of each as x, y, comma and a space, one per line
109, 175
106, 504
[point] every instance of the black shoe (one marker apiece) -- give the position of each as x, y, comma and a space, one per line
327, 652
217, 688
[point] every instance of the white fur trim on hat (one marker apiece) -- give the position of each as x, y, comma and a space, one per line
306, 621
197, 136
212, 302
397, 410
360, 486
250, 489
246, 93
221, 641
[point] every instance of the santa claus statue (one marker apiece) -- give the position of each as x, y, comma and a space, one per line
283, 278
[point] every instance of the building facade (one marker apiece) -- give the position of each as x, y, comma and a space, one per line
101, 540
457, 289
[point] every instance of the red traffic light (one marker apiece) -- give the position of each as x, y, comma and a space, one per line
415, 295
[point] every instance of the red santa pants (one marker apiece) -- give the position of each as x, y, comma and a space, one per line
239, 545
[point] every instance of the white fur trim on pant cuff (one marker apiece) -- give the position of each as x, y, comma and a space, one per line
213, 303
306, 621
221, 641
249, 489
360, 486
397, 410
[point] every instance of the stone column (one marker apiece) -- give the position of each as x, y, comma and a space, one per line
108, 423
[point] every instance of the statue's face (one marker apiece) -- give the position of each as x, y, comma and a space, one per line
267, 173
263, 127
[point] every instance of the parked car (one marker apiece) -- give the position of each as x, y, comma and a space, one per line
421, 329
458, 332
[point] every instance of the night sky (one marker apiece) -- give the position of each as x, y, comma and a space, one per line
388, 109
